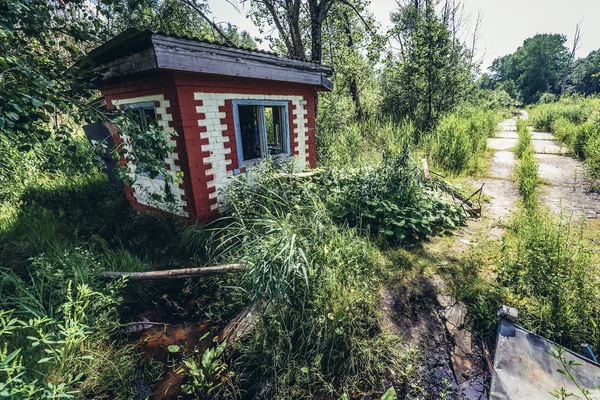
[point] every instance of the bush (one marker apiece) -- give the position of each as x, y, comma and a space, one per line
306, 244
459, 142
576, 122
547, 98
391, 200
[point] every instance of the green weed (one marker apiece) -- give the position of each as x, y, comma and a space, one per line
459, 142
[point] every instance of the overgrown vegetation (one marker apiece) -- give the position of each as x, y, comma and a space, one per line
315, 249
575, 121
527, 167
545, 268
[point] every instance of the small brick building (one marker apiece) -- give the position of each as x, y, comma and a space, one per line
229, 107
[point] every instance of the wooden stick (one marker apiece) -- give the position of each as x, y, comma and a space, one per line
173, 273
242, 324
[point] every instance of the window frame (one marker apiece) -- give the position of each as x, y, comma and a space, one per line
263, 131
138, 106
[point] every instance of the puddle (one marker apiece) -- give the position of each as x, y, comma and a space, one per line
154, 345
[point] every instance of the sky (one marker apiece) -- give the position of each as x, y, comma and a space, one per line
504, 23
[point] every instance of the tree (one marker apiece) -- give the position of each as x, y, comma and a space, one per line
536, 67
585, 78
432, 72
353, 48
186, 18
298, 22
571, 59
45, 92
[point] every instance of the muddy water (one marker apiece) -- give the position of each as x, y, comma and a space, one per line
154, 342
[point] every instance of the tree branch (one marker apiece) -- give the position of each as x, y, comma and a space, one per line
193, 6
353, 7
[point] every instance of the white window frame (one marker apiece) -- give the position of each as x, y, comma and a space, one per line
262, 126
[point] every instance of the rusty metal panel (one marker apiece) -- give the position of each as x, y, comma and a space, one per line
524, 368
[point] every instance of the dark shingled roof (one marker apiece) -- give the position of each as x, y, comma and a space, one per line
135, 51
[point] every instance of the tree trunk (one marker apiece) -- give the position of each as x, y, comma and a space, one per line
174, 273
353, 84
571, 59
242, 324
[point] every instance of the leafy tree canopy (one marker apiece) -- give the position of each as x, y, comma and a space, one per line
535, 68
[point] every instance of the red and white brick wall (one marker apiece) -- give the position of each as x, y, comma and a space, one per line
144, 187
205, 148
216, 119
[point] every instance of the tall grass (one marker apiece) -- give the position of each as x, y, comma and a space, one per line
575, 121
319, 333
527, 168
459, 142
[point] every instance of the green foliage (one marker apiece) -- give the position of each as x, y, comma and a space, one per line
524, 141
527, 168
432, 74
568, 365
546, 272
459, 142
536, 67
585, 78
575, 121
527, 175
203, 377
317, 275
547, 98
141, 150
391, 200
343, 142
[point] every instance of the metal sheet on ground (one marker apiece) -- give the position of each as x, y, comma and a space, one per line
524, 368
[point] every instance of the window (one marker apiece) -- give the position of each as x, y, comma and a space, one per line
145, 115
145, 112
261, 129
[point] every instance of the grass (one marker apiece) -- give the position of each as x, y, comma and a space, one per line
575, 121
459, 143
546, 267
313, 260
527, 168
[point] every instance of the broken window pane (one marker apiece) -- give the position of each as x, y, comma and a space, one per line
250, 133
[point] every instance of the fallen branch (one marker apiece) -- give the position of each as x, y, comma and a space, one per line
173, 273
242, 324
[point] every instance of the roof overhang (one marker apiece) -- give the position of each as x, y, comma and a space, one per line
135, 51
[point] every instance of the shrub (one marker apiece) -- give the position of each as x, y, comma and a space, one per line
459, 142
528, 179
310, 261
547, 98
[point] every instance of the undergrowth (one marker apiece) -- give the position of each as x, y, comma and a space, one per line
575, 121
312, 263
527, 168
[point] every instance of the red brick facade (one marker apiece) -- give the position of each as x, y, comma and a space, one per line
179, 90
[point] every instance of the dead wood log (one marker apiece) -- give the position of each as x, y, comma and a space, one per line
242, 324
173, 273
